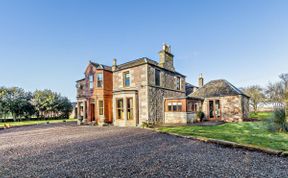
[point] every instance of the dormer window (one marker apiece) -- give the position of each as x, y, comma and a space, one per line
126, 77
99, 80
91, 81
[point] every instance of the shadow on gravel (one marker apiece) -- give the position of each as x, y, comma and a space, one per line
130, 152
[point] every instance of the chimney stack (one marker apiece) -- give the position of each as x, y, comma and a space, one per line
114, 65
166, 57
200, 81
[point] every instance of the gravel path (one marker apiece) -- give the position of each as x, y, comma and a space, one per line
67, 150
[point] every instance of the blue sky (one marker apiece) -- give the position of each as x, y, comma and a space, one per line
48, 43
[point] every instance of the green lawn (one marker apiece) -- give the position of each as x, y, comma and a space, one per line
261, 115
22, 123
249, 133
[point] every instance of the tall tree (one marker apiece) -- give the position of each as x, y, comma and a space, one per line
275, 93
256, 96
64, 106
20, 102
4, 105
44, 101
51, 104
284, 78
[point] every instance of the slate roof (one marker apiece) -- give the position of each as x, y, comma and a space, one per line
135, 62
189, 88
141, 61
80, 80
101, 66
217, 88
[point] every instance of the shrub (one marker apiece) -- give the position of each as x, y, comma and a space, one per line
148, 124
278, 122
200, 115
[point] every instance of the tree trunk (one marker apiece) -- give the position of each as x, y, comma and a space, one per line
255, 107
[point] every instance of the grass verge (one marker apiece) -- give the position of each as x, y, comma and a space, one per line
24, 123
261, 115
248, 133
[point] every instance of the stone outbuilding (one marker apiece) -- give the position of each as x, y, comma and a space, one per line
219, 100
223, 101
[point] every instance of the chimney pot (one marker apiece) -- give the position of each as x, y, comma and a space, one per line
114, 65
200, 81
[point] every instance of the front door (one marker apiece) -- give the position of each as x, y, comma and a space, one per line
92, 106
214, 110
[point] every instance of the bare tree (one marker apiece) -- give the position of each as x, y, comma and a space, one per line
284, 78
275, 94
256, 94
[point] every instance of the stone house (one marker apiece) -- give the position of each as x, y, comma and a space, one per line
219, 100
140, 86
223, 101
144, 90
94, 94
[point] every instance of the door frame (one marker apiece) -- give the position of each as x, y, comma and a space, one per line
92, 112
214, 118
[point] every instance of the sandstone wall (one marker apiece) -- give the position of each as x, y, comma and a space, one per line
231, 108
191, 117
156, 94
180, 117
175, 118
245, 106
138, 83
167, 79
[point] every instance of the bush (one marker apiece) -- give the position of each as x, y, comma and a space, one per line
278, 122
148, 125
200, 115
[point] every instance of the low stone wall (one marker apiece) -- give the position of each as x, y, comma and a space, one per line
175, 118
180, 117
191, 117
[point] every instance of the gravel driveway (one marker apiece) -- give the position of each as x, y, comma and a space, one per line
67, 150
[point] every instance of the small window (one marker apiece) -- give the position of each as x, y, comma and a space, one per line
157, 77
120, 109
195, 107
192, 106
129, 108
126, 77
178, 83
91, 81
101, 107
175, 107
179, 107
100, 80
169, 106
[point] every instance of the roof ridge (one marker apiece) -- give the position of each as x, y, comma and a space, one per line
125, 63
219, 87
